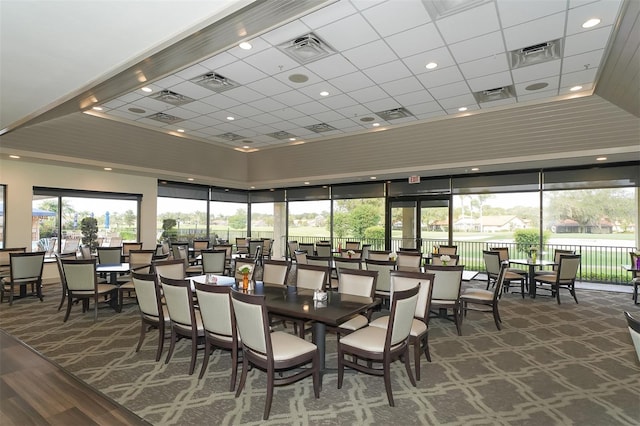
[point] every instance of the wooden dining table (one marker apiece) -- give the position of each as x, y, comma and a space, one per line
538, 263
113, 269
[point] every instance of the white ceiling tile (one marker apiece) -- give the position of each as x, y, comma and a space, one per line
456, 102
347, 125
387, 72
553, 83
492, 81
210, 130
417, 63
222, 116
537, 71
269, 86
303, 121
218, 61
416, 40
348, 32
286, 33
205, 120
517, 12
338, 101
115, 103
429, 115
182, 113
241, 72
354, 111
312, 77
190, 125
221, 101
267, 104
123, 113
257, 127
351, 82
605, 10
586, 41
484, 66
498, 103
535, 32
382, 104
365, 4
313, 91
292, 98
402, 86
287, 113
582, 61
449, 90
191, 72
391, 18
151, 104
328, 14
266, 118
368, 94
537, 95
150, 122
470, 23
227, 127
440, 77
328, 116
166, 83
370, 54
332, 66
257, 45
413, 98
425, 107
578, 78
244, 110
271, 61
191, 90
312, 108
243, 94
130, 97
478, 47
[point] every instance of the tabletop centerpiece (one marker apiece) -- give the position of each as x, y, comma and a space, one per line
445, 259
350, 253
533, 253
393, 256
245, 270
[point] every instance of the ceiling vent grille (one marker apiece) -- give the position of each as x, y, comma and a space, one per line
165, 118
536, 54
282, 135
232, 137
441, 8
495, 94
394, 114
307, 48
320, 128
172, 98
215, 82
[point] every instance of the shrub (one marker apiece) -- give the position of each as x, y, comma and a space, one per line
89, 229
525, 238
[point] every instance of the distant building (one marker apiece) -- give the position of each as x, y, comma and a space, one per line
570, 226
489, 224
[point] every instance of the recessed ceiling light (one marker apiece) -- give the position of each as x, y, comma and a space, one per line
591, 23
306, 183
475, 169
601, 158
376, 124
147, 89
298, 78
245, 45
462, 109
14, 156
190, 179
97, 108
373, 178
180, 130
245, 146
231, 118
292, 139
575, 88
324, 93
431, 65
108, 169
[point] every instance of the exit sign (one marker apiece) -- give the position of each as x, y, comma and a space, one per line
414, 179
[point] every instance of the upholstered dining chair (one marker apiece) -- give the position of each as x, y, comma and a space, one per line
63, 281
109, 255
267, 248
173, 268
445, 249
199, 245
292, 247
379, 345
275, 272
419, 334
635, 278
228, 248
326, 262
271, 351
242, 245
379, 255
478, 296
184, 317
556, 260
127, 247
308, 247
82, 285
634, 329
356, 282
24, 269
342, 263
565, 277
447, 285
85, 252
300, 257
153, 313
493, 265
183, 254
214, 261
308, 277
352, 245
324, 250
436, 259
139, 261
383, 284
409, 261
5, 261
220, 329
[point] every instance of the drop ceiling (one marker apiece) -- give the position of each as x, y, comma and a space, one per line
371, 74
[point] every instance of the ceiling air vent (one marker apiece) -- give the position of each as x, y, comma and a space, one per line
172, 98
320, 127
230, 136
394, 114
282, 135
536, 54
165, 118
495, 94
306, 48
441, 8
215, 82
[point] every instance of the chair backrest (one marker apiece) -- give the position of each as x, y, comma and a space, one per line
127, 247
80, 274
173, 268
568, 267
267, 246
148, 294
502, 251
384, 268
293, 247
4, 254
166, 247
253, 323
183, 254
26, 265
325, 262
403, 308
175, 249
634, 264
199, 245
634, 329
179, 299
352, 245
59, 257
448, 249
228, 248
70, 245
85, 252
366, 248
379, 255
244, 262
491, 262
308, 247
436, 259
497, 290
215, 309
159, 250
275, 272
556, 256
312, 277
345, 262
254, 247
447, 282
301, 257
242, 245
213, 261
409, 261
357, 282
323, 250
401, 280
115, 242
109, 255
141, 259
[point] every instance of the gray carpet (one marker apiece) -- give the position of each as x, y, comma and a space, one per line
550, 365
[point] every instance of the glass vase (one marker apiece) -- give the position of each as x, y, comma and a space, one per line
245, 281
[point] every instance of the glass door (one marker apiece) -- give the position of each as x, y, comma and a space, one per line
418, 223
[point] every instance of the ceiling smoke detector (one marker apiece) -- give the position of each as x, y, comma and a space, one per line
172, 98
307, 48
214, 81
232, 137
536, 54
320, 127
165, 118
281, 135
495, 94
394, 114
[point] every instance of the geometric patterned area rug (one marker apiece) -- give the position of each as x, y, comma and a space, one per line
549, 365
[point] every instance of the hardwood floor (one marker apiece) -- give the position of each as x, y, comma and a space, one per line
36, 391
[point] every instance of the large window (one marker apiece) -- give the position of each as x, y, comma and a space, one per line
228, 220
181, 219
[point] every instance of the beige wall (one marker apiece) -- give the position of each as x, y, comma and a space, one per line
21, 176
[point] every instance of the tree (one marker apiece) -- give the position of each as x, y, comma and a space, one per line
362, 217
89, 229
167, 229
238, 220
340, 224
129, 218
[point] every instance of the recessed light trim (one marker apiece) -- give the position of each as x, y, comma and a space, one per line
376, 124
474, 169
591, 23
97, 108
15, 157
324, 93
575, 88
147, 89
307, 183
373, 178
190, 179
462, 109
245, 45
230, 118
601, 158
108, 169
180, 130
431, 65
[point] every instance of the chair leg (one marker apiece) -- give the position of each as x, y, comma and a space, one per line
69, 302
171, 346
234, 368
522, 288
161, 333
416, 356
194, 354
387, 380
143, 331
496, 315
315, 364
39, 290
557, 293
270, 386
95, 308
407, 365
64, 296
11, 295
243, 375
457, 316
207, 351
427, 354
340, 366
572, 289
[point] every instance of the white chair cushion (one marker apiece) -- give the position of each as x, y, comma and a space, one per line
443, 302
369, 338
417, 327
549, 279
355, 323
477, 293
286, 346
